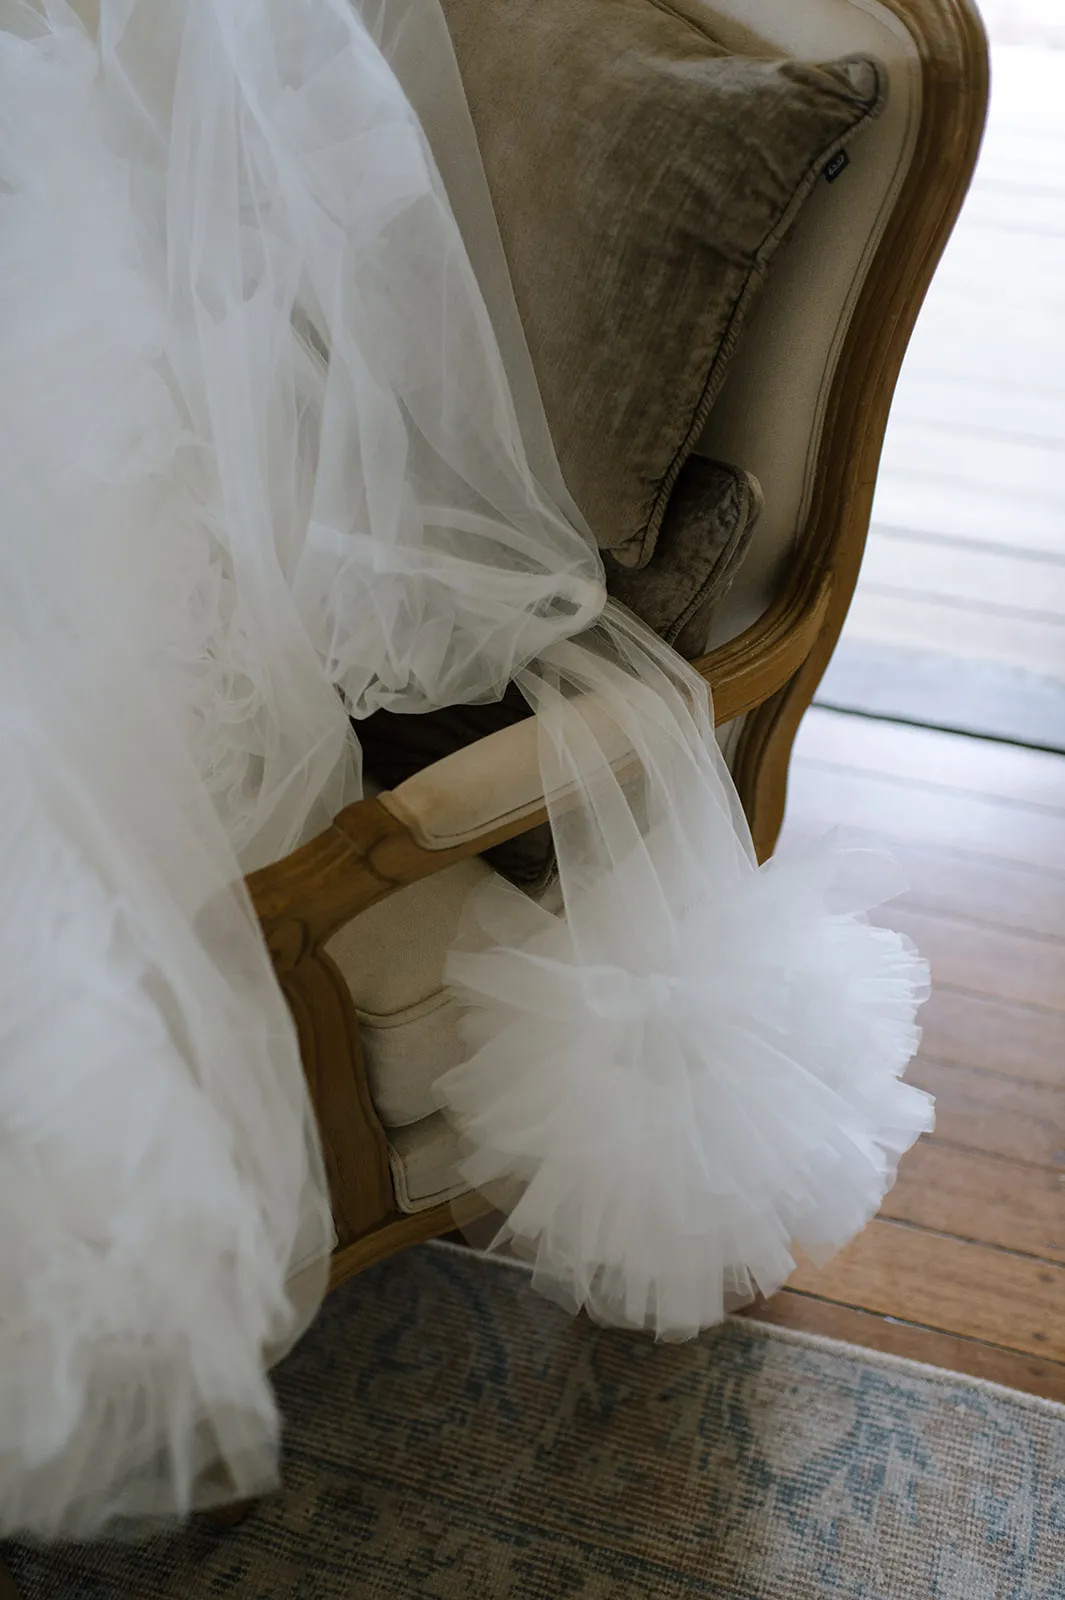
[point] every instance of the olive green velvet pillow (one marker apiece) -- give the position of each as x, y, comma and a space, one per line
643, 177
704, 537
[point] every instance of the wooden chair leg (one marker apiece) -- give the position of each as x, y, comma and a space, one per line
760, 771
224, 1517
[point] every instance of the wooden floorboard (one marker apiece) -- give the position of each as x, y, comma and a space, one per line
965, 1266
1019, 968
902, 558
1025, 22
1019, 898
893, 1336
1007, 1041
921, 755
990, 1199
955, 1285
927, 816
1018, 410
1029, 471
1016, 640
995, 1114
954, 504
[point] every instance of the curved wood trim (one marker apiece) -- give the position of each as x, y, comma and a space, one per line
399, 1234
952, 47
353, 1141
761, 660
364, 856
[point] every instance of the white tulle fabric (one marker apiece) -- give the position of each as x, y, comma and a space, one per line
273, 456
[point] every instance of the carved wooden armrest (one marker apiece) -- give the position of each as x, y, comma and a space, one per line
486, 793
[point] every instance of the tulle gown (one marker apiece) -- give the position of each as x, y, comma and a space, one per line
272, 458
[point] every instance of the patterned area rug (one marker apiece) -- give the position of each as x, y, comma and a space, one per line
452, 1437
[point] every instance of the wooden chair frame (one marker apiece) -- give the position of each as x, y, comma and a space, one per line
769, 672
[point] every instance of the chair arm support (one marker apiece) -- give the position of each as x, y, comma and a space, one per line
487, 793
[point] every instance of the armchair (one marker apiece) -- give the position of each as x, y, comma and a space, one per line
358, 921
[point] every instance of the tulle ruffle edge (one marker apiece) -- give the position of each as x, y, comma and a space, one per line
664, 1140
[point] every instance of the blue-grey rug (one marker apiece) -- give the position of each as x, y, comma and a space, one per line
450, 1436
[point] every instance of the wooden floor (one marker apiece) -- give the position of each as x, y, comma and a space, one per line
966, 557
1039, 22
965, 1267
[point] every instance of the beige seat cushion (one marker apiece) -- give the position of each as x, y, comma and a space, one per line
424, 1160
643, 176
392, 958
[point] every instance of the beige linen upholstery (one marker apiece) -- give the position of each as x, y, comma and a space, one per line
770, 412
392, 957
768, 418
